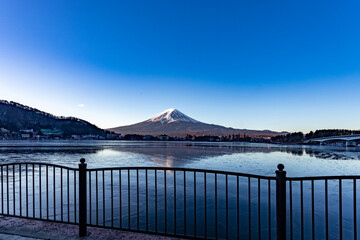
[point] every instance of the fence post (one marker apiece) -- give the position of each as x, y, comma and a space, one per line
280, 202
82, 198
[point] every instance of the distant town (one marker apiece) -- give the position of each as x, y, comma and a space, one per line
291, 138
56, 134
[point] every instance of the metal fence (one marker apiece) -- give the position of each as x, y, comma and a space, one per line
323, 207
181, 202
190, 203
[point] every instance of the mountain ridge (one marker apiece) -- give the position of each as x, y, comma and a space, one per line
172, 122
15, 117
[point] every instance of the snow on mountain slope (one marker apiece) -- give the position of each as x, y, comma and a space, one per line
172, 115
172, 122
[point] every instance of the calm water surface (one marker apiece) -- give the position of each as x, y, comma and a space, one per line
252, 158
238, 157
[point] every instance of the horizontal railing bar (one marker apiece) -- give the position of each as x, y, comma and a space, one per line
190, 170
39, 163
323, 178
184, 169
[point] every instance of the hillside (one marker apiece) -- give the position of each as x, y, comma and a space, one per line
15, 117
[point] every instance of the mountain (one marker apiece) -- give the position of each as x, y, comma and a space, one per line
15, 117
172, 122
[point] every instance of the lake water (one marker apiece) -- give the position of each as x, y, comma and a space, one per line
253, 158
260, 159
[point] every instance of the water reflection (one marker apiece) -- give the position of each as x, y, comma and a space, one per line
240, 157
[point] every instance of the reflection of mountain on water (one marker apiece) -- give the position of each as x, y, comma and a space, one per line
158, 151
190, 151
171, 154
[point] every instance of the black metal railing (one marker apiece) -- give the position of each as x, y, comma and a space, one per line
182, 202
39, 191
322, 207
191, 203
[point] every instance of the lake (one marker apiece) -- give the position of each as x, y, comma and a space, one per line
252, 158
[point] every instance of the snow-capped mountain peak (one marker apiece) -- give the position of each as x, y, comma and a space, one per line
172, 115
174, 123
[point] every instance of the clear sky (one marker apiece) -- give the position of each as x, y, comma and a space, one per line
281, 65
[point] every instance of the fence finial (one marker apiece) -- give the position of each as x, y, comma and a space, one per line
280, 166
82, 160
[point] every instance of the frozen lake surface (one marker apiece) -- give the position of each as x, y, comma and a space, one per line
260, 159
238, 157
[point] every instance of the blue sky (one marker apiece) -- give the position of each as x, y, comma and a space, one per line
284, 65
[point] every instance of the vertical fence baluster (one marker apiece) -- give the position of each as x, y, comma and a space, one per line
26, 189
75, 195
291, 210
47, 191
129, 198
205, 208
269, 206
112, 199
103, 187
354, 196
216, 208
156, 218
259, 209
302, 208
68, 194
175, 202
237, 207
137, 199
165, 187
54, 193
20, 191
227, 206
340, 207
2, 191
7, 188
39, 192
61, 194
184, 202
249, 201
147, 200
120, 200
33, 185
97, 197
14, 190
90, 208
195, 203
312, 210
326, 210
